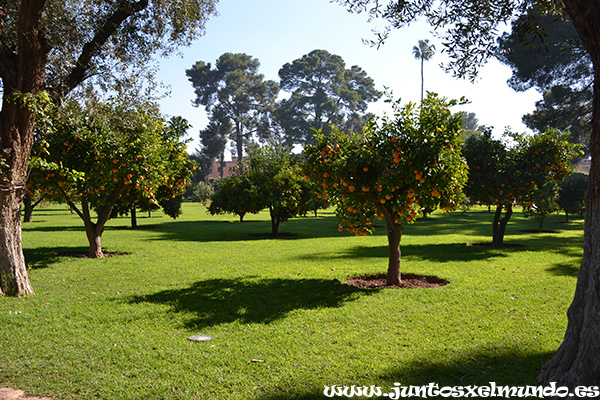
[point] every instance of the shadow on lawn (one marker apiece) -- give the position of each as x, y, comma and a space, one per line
218, 301
226, 231
43, 257
442, 252
503, 366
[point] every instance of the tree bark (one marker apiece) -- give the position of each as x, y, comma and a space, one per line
13, 274
133, 216
27, 208
499, 225
394, 234
20, 73
577, 361
274, 222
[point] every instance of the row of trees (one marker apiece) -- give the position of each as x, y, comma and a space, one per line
400, 167
273, 180
243, 107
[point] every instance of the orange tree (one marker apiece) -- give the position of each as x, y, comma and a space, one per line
273, 179
277, 176
177, 170
236, 195
526, 173
94, 159
396, 167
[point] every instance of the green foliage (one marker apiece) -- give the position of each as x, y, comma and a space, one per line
572, 193
237, 96
279, 182
200, 192
545, 52
237, 195
468, 31
500, 174
395, 168
273, 180
113, 156
323, 92
527, 173
126, 37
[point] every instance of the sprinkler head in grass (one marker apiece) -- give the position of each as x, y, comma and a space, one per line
200, 338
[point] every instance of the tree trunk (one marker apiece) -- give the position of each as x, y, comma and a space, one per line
95, 240
27, 208
422, 78
239, 143
274, 222
499, 225
394, 235
20, 73
133, 217
577, 361
13, 274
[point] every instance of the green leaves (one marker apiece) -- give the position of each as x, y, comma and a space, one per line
395, 168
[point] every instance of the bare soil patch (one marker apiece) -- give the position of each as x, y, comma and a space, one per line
15, 394
409, 281
85, 255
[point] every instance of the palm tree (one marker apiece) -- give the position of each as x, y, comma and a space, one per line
423, 51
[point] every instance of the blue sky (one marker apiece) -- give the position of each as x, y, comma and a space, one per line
280, 31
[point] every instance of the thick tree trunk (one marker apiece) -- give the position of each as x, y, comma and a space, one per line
95, 241
577, 361
13, 274
499, 225
394, 234
20, 73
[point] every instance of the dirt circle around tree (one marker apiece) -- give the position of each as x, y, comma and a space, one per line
408, 281
106, 254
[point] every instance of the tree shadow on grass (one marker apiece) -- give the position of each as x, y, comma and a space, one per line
507, 367
444, 252
218, 301
44, 257
227, 231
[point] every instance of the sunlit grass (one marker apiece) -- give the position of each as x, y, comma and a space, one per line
117, 328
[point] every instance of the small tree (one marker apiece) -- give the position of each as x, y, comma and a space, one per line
526, 173
95, 159
235, 195
572, 192
395, 168
177, 168
279, 182
272, 180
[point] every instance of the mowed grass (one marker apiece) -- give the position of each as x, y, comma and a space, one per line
285, 325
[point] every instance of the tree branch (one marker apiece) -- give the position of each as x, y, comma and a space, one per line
91, 49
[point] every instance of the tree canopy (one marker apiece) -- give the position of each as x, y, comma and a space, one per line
545, 52
236, 92
392, 170
323, 92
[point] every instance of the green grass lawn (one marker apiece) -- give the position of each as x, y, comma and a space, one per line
118, 327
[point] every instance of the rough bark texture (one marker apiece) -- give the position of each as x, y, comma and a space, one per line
394, 234
21, 73
577, 361
499, 225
